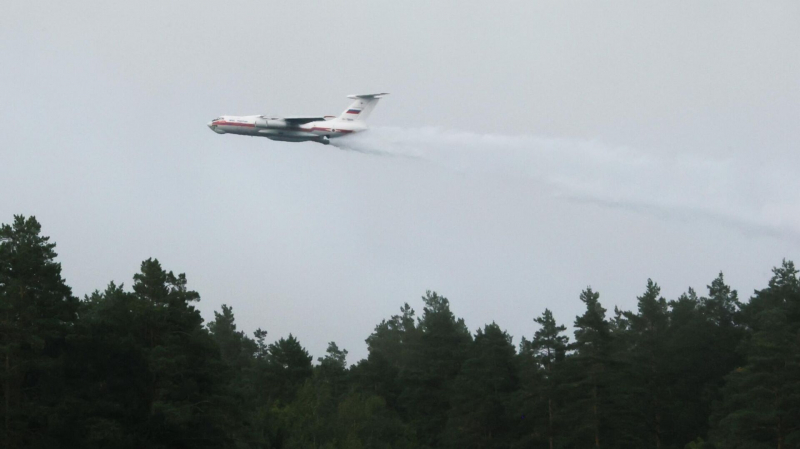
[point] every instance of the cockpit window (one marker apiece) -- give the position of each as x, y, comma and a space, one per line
217, 119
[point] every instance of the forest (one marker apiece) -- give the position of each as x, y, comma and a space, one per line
137, 367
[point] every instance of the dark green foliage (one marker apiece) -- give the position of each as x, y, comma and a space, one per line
144, 371
761, 400
587, 379
247, 423
548, 346
432, 360
332, 369
388, 355
289, 366
645, 370
541, 363
721, 307
37, 310
701, 349
480, 413
137, 367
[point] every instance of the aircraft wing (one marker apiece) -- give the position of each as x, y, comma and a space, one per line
302, 120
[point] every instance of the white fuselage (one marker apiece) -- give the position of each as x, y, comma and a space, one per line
278, 129
301, 129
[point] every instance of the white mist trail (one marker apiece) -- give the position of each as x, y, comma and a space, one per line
754, 195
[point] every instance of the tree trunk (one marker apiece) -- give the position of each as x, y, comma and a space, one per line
550, 421
7, 390
596, 419
6, 393
655, 391
778, 427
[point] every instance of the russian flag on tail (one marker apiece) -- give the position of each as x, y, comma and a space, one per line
353, 111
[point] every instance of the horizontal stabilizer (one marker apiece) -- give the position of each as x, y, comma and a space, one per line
368, 96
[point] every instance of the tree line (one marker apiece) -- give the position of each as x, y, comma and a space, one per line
138, 368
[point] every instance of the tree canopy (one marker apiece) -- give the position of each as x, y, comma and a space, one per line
137, 366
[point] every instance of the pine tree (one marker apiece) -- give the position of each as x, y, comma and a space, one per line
137, 368
332, 369
309, 418
646, 368
145, 372
761, 400
701, 349
587, 387
722, 305
544, 354
289, 367
236, 348
325, 415
37, 310
689, 346
433, 360
480, 414
388, 355
241, 398
262, 417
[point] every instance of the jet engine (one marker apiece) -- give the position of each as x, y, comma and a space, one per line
264, 122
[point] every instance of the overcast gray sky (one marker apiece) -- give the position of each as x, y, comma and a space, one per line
527, 150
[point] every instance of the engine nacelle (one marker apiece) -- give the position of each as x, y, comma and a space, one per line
270, 123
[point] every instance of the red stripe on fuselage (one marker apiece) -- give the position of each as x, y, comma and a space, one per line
246, 125
250, 125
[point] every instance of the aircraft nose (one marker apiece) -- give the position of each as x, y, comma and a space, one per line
214, 127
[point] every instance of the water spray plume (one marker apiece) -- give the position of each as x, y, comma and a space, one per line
751, 195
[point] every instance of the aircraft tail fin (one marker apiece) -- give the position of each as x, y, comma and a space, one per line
362, 107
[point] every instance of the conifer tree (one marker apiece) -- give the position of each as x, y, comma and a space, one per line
433, 360
702, 343
136, 367
332, 369
289, 367
688, 349
761, 400
480, 414
236, 348
646, 369
722, 305
541, 382
388, 348
241, 399
587, 387
149, 373
37, 310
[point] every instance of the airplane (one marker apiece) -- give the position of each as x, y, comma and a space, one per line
302, 129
